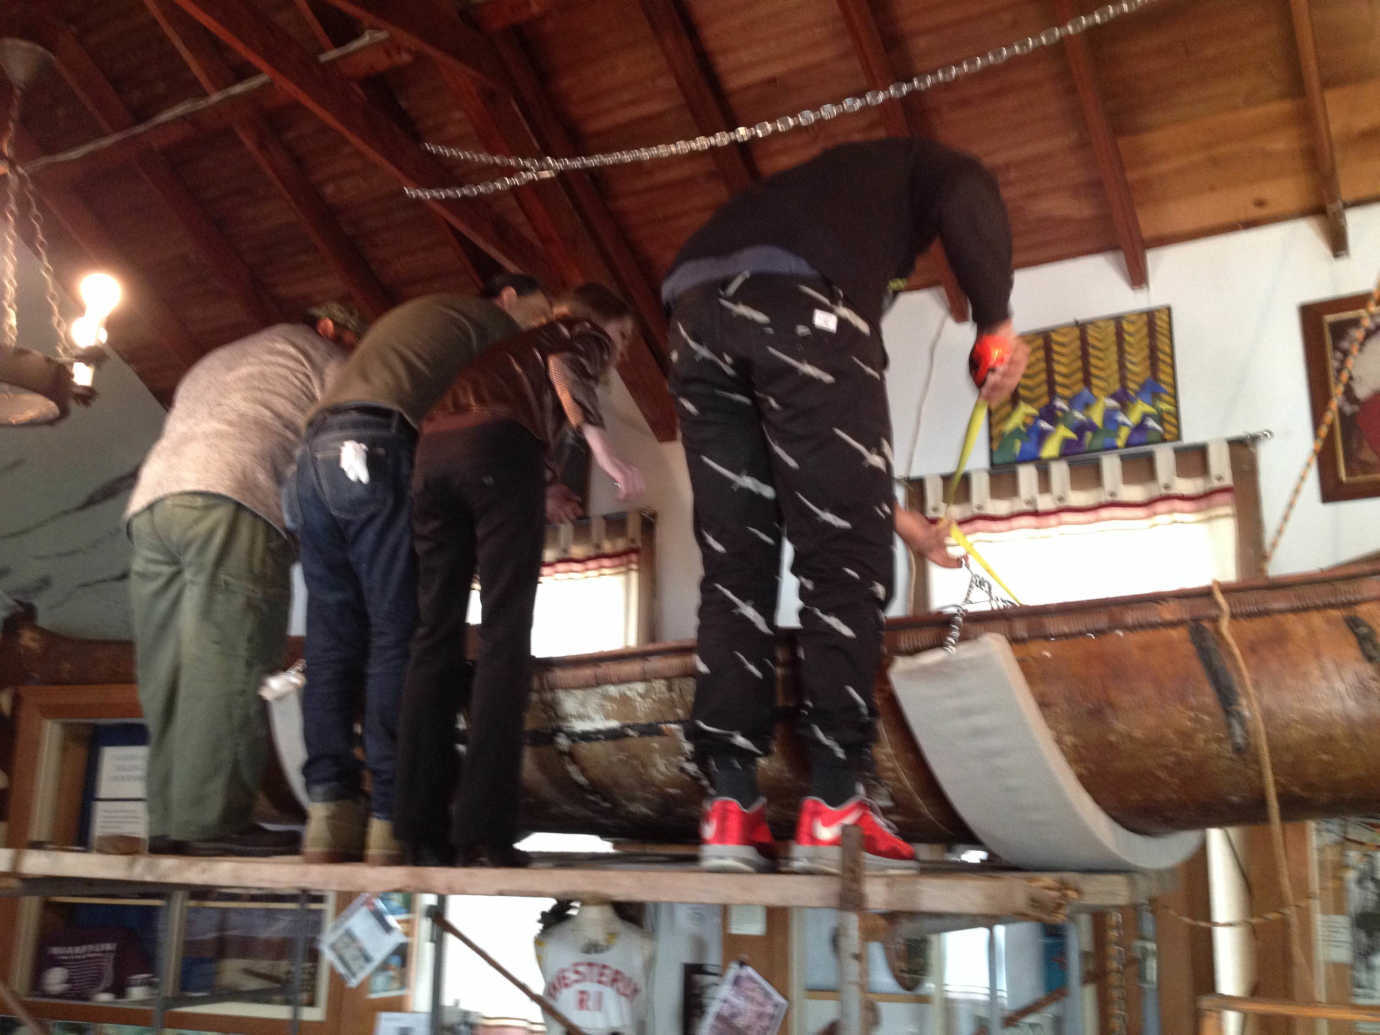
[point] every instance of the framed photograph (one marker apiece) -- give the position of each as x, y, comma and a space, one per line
1091, 386
1349, 463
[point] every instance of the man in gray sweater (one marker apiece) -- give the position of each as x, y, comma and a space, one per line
210, 577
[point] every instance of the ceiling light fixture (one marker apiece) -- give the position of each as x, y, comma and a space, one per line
36, 388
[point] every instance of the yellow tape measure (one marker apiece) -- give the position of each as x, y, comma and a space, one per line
969, 439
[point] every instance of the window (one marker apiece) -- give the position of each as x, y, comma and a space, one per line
595, 592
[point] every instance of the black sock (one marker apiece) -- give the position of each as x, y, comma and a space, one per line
832, 779
735, 778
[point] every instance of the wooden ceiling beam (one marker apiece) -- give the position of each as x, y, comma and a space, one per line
899, 119
440, 38
502, 128
1106, 151
1320, 127
680, 44
576, 226
642, 369
86, 229
215, 249
332, 27
273, 51
277, 163
496, 15
362, 65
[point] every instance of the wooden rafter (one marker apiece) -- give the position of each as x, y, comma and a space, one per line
332, 28
365, 63
215, 249
576, 225
1106, 151
1320, 126
679, 42
332, 100
89, 233
899, 119
278, 164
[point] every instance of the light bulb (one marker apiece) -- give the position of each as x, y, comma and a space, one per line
100, 293
86, 332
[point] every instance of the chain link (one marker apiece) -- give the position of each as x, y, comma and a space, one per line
1116, 972
11, 243
540, 167
45, 265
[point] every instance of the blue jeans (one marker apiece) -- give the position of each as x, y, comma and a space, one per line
357, 559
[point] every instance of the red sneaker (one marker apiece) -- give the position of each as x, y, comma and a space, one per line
736, 839
818, 844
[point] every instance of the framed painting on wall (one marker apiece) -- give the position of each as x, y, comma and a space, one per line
1349, 462
1091, 386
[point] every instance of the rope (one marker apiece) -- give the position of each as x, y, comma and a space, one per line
1249, 921
1359, 334
1291, 907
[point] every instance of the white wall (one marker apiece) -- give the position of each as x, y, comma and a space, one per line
1234, 301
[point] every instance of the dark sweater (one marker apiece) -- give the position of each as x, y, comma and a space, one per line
860, 214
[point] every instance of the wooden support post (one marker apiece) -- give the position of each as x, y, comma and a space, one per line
1320, 126
1186, 969
852, 951
1277, 974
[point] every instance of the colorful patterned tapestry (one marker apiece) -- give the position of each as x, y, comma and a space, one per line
1090, 387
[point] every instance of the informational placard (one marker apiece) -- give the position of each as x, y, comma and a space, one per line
122, 772
361, 938
118, 817
745, 1004
402, 1024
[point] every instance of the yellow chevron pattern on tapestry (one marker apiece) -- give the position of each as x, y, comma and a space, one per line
1104, 384
1164, 362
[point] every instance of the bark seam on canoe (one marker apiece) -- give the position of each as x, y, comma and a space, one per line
1223, 684
1366, 638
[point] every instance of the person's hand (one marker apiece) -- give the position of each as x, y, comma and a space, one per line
627, 479
927, 538
1006, 375
562, 504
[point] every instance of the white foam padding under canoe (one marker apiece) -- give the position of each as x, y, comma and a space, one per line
982, 733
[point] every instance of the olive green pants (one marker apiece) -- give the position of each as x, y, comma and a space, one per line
210, 586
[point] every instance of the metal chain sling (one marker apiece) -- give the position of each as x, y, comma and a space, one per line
543, 167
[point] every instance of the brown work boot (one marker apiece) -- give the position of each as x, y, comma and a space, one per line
381, 848
335, 831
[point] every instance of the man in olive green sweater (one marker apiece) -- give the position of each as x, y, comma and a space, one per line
351, 502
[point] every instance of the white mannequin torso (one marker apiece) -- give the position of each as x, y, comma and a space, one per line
597, 968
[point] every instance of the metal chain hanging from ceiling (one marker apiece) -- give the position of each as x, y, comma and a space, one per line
545, 167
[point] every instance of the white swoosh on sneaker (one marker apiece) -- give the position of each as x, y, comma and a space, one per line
708, 828
833, 831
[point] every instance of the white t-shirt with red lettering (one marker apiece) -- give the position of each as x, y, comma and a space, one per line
597, 975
